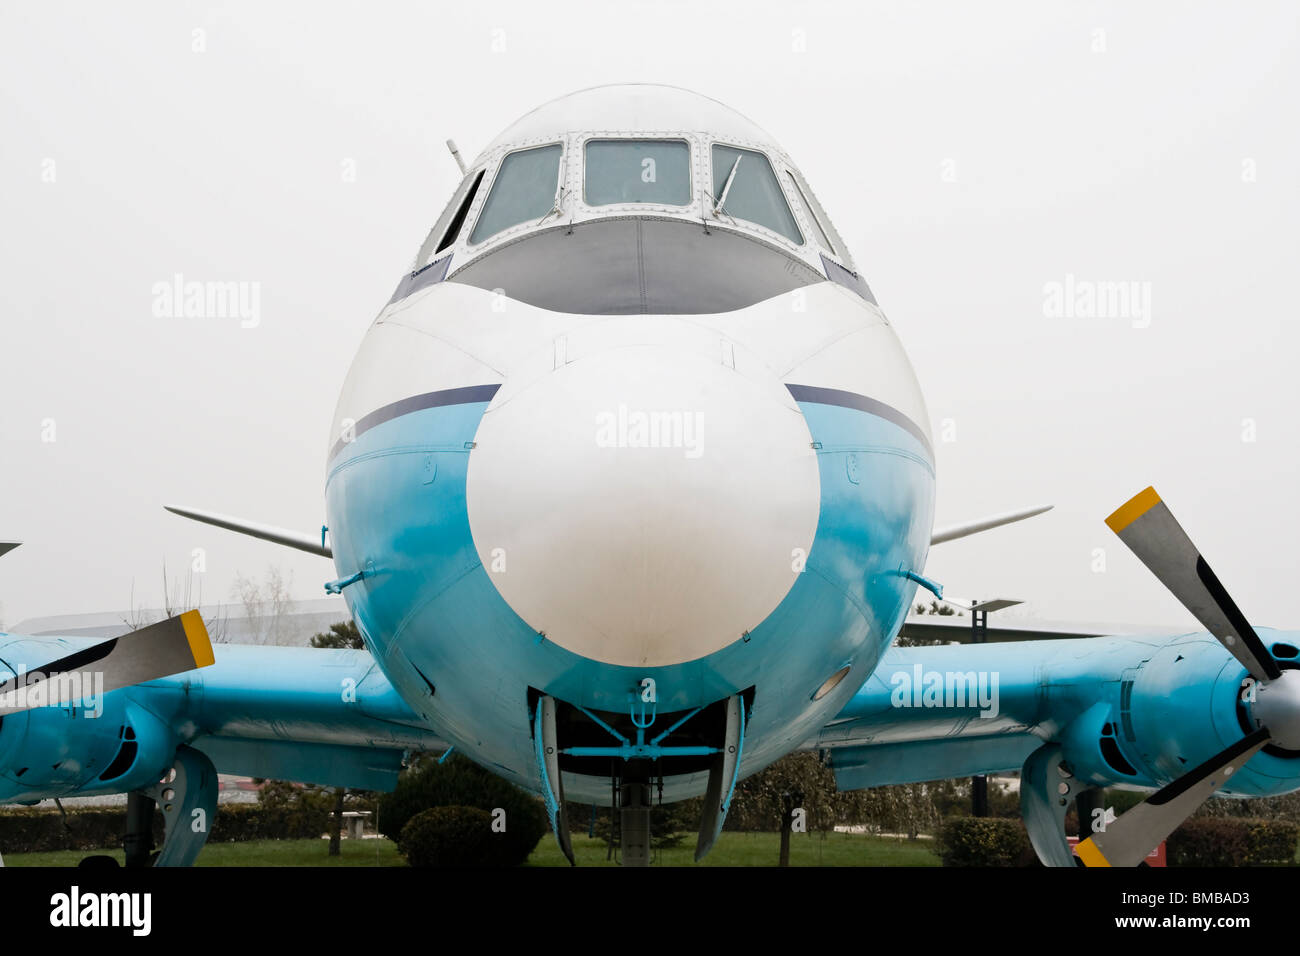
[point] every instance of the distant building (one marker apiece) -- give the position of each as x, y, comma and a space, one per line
293, 623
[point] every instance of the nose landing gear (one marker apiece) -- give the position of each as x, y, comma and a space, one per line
709, 738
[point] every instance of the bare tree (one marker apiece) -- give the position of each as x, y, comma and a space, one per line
266, 605
177, 597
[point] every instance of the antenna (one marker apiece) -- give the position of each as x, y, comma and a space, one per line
455, 154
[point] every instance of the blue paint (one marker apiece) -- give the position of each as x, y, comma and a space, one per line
640, 751
336, 587
549, 796
431, 605
735, 776
289, 713
642, 722
933, 587
1181, 707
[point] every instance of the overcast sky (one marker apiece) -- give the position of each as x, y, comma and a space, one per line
971, 155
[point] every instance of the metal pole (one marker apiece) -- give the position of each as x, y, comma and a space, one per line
979, 784
138, 840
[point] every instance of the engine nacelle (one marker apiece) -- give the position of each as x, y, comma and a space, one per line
54, 751
1175, 708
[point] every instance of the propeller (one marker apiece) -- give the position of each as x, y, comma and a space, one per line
169, 647
1147, 526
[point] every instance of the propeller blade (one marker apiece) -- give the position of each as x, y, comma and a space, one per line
1146, 525
1128, 840
169, 647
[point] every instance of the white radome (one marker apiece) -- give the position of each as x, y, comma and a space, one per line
705, 526
632, 108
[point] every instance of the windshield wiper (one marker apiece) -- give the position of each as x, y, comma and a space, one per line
726, 188
555, 210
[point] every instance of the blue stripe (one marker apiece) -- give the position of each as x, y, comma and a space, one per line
834, 396
465, 395
434, 606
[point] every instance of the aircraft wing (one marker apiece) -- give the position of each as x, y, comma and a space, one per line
290, 713
1070, 715
953, 628
938, 712
890, 732
306, 714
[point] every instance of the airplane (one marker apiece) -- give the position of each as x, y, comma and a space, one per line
629, 489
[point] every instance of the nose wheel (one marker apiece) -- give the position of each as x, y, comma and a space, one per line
637, 760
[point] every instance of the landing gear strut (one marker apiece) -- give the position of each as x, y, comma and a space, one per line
187, 794
138, 841
634, 803
638, 758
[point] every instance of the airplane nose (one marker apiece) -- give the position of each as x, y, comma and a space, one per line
643, 506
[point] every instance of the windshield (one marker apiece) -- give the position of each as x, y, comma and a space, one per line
637, 170
812, 216
754, 194
524, 189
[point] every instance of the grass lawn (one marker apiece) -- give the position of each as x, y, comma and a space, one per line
733, 849
379, 852
760, 849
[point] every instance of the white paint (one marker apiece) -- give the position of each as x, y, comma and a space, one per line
630, 107
643, 556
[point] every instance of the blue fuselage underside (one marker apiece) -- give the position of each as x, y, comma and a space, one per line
465, 660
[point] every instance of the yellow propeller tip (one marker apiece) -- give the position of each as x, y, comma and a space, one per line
196, 633
1090, 854
1134, 508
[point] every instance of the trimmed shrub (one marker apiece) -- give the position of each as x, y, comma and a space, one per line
1209, 841
37, 830
451, 836
1233, 841
984, 841
459, 782
1272, 842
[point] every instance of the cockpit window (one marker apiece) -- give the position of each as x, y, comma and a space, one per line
524, 189
449, 224
754, 194
812, 216
822, 220
637, 170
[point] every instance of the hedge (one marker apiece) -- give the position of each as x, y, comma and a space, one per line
35, 830
984, 841
1232, 841
1200, 841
